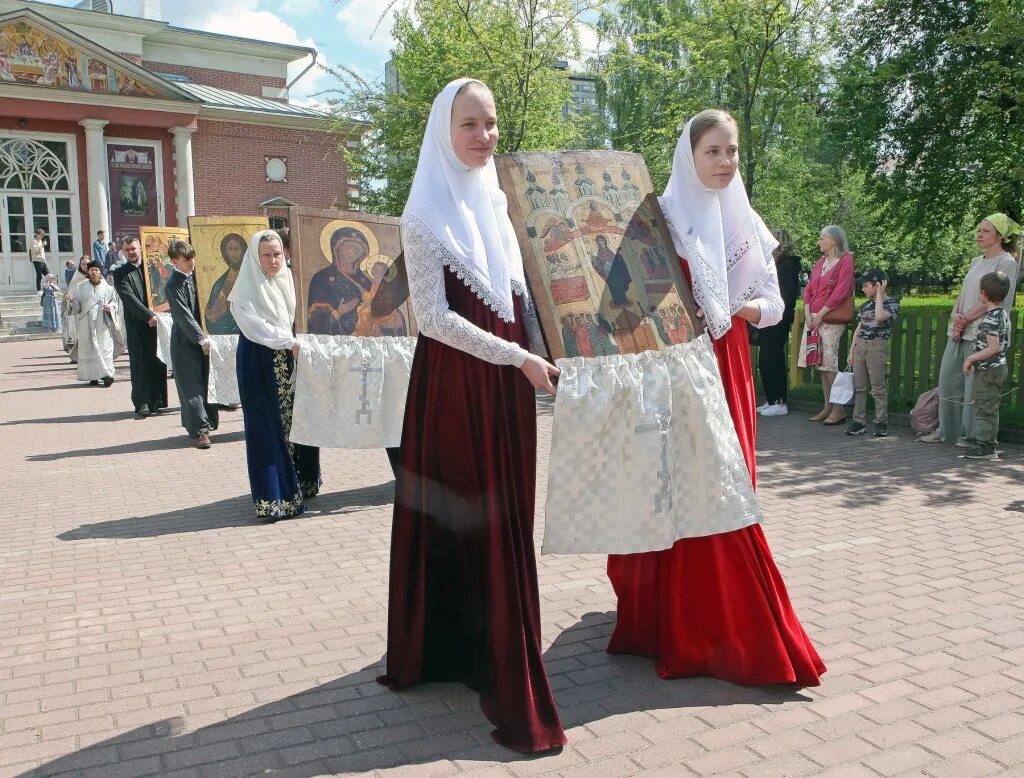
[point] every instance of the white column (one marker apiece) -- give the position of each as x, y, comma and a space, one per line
184, 182
96, 171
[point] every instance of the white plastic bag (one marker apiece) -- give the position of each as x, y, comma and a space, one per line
842, 389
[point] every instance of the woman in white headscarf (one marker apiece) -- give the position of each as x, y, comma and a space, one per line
282, 474
741, 627
463, 602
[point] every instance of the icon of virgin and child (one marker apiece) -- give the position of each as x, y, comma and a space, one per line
359, 293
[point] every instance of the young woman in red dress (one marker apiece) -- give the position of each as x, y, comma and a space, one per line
717, 606
463, 603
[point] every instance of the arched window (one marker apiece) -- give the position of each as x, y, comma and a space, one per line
38, 166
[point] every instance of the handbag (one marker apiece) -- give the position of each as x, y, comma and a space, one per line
842, 389
841, 315
844, 313
812, 350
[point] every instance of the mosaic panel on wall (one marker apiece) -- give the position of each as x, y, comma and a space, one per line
32, 56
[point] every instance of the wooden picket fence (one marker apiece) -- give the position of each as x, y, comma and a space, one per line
915, 352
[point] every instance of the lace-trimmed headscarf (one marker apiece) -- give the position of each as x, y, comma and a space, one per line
272, 298
466, 211
726, 243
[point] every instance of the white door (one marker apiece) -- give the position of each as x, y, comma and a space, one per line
37, 191
21, 216
16, 271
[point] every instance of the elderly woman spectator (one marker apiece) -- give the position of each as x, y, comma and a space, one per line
773, 340
828, 306
957, 420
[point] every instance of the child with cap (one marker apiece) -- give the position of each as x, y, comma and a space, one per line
869, 353
988, 363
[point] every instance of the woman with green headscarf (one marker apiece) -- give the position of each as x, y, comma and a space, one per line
957, 421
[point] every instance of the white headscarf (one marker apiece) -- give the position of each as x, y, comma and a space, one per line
726, 243
272, 298
466, 211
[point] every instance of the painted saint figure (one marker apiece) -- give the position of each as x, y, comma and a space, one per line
337, 291
611, 192
613, 271
219, 320
535, 193
584, 184
559, 197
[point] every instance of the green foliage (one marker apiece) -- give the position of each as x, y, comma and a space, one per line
930, 102
760, 59
511, 46
900, 120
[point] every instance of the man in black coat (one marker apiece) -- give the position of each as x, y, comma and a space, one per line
148, 373
190, 346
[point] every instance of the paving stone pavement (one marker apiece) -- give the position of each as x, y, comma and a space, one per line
150, 626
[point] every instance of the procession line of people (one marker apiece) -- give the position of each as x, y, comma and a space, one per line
464, 603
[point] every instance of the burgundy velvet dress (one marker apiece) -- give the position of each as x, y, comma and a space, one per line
463, 600
715, 606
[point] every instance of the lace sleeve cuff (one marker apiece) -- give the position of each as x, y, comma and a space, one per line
424, 262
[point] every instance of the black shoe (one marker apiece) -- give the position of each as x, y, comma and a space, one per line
108, 380
982, 451
881, 430
143, 411
856, 428
94, 383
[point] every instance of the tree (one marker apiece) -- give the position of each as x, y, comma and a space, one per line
517, 47
762, 60
930, 102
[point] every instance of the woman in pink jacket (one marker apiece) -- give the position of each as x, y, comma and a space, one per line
829, 290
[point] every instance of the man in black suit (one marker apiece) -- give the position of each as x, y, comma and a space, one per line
190, 346
148, 373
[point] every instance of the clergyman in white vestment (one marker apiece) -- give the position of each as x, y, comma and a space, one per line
95, 306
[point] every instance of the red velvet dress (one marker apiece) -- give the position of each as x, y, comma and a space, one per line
715, 606
463, 602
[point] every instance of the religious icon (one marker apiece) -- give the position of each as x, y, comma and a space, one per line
220, 243
349, 274
156, 263
134, 198
600, 264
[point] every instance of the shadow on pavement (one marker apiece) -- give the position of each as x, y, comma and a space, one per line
48, 388
847, 471
352, 724
232, 512
137, 447
93, 417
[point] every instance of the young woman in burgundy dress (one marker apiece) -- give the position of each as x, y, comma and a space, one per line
717, 606
463, 602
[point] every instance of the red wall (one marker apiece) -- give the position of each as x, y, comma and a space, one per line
230, 169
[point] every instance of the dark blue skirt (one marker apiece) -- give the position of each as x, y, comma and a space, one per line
282, 474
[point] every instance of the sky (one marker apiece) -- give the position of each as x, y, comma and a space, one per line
342, 31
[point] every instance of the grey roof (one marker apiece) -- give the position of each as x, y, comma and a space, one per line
225, 98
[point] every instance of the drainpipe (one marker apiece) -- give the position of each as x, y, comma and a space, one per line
288, 86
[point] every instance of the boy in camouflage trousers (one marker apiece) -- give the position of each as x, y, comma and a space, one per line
988, 363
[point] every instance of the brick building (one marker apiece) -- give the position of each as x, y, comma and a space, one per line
112, 122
